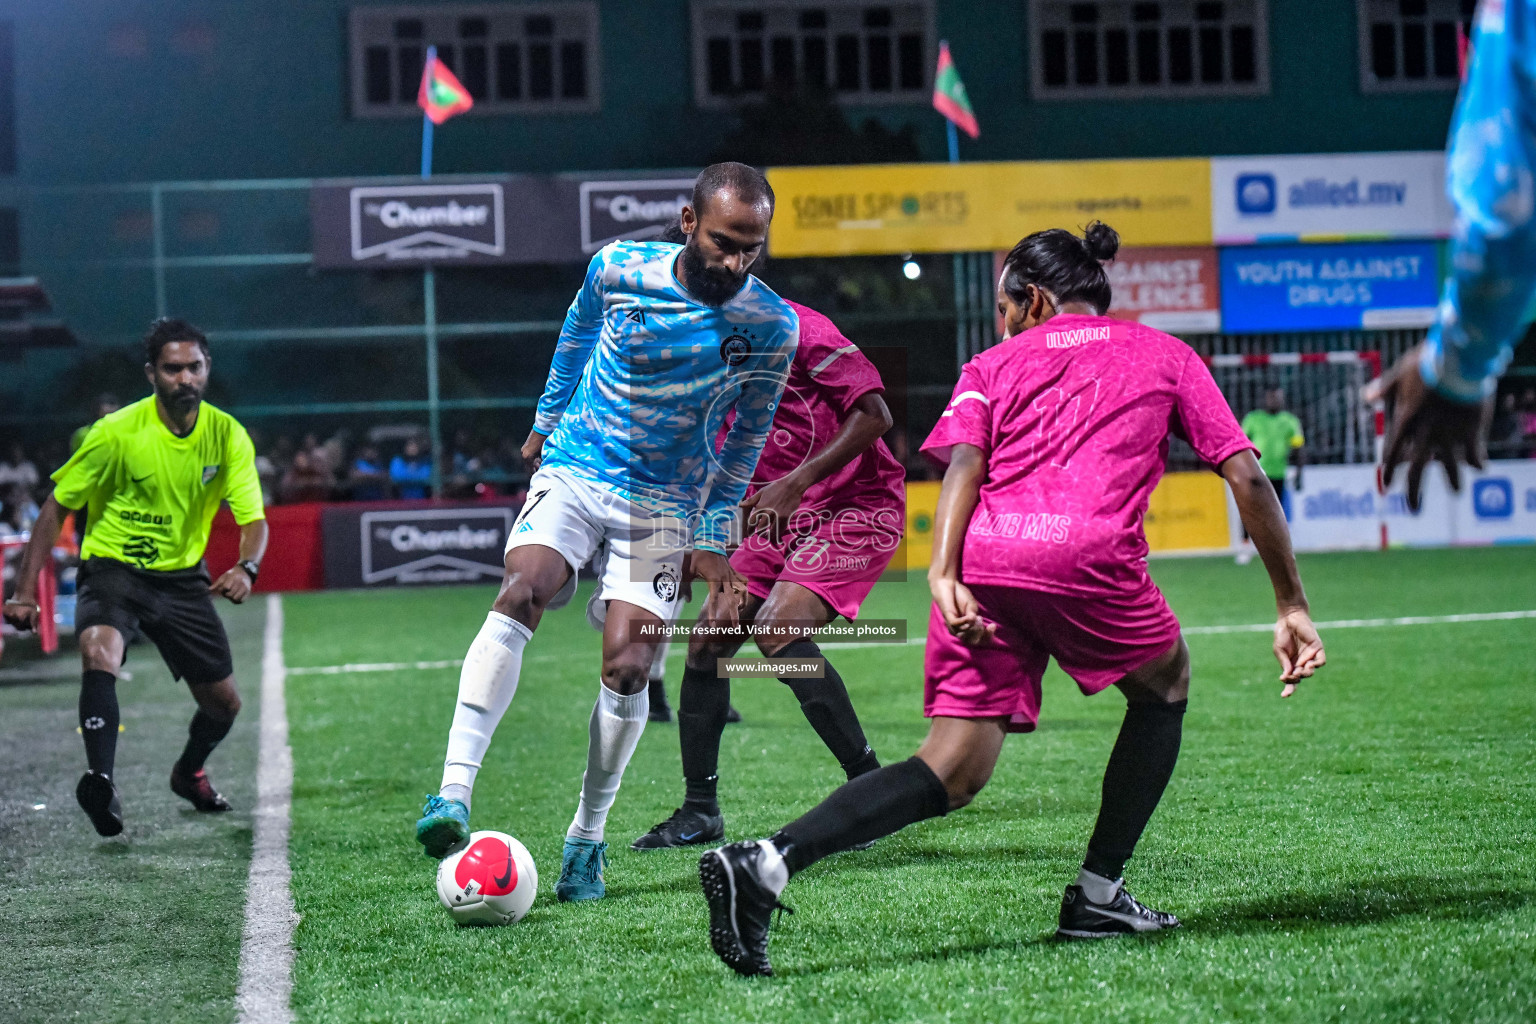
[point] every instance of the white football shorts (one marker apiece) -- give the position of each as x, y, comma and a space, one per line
641, 552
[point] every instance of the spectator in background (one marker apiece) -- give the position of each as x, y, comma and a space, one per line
319, 456
335, 452
282, 454
266, 470
304, 481
16, 468
464, 462
17, 511
411, 471
105, 404
368, 480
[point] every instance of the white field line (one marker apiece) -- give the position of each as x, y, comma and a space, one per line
1248, 627
266, 948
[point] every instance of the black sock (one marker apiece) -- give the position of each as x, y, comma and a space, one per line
701, 706
827, 707
865, 809
657, 695
1138, 771
99, 719
203, 735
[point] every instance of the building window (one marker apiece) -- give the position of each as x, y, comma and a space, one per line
1135, 48
1411, 45
859, 51
512, 58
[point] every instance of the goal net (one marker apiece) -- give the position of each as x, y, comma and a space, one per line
1322, 389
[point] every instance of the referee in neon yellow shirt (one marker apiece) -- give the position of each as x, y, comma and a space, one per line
152, 475
1276, 433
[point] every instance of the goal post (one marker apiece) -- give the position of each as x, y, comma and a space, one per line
1323, 389
1325, 392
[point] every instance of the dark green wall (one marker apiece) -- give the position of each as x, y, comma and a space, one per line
136, 91
266, 97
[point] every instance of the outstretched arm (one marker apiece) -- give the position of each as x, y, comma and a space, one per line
1440, 395
21, 610
770, 508
1297, 645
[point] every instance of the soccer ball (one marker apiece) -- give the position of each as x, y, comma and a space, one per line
491, 880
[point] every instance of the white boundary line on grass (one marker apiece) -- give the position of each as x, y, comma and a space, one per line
266, 947
1250, 627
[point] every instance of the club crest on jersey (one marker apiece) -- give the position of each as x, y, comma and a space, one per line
665, 585
735, 349
209, 472
142, 551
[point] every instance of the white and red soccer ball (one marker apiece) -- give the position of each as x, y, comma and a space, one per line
491, 880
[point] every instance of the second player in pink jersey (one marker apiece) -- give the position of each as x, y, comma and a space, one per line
824, 516
1054, 441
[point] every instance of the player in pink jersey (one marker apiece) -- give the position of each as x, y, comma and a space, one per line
825, 514
1055, 439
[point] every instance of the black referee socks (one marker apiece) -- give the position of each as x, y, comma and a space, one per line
99, 719
863, 810
203, 735
1138, 771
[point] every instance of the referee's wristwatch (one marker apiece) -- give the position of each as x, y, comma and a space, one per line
252, 569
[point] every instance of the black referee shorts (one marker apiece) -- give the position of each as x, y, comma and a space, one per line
173, 609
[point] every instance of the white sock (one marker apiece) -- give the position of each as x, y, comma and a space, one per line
486, 685
659, 660
612, 735
1097, 888
771, 869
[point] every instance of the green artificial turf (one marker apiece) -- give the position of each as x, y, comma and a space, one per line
1359, 852
143, 927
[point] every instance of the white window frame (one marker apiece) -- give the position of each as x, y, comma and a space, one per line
361, 18
704, 99
1134, 90
1365, 16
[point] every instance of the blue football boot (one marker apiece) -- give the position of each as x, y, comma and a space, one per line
444, 824
581, 870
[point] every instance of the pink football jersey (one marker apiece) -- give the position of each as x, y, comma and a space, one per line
1073, 418
829, 374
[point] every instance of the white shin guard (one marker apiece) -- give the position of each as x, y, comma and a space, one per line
612, 735
486, 685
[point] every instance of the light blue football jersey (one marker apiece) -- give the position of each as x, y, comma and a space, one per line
644, 376
1491, 177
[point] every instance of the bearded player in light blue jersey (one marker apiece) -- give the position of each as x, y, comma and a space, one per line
662, 341
1439, 396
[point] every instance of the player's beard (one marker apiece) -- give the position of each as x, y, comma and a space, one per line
713, 286
180, 401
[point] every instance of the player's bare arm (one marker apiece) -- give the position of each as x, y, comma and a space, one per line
22, 609
957, 502
1425, 426
1297, 646
769, 508
237, 581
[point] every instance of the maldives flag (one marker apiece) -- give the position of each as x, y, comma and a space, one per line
949, 96
441, 95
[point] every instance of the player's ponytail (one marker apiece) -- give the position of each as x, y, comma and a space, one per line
1068, 268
